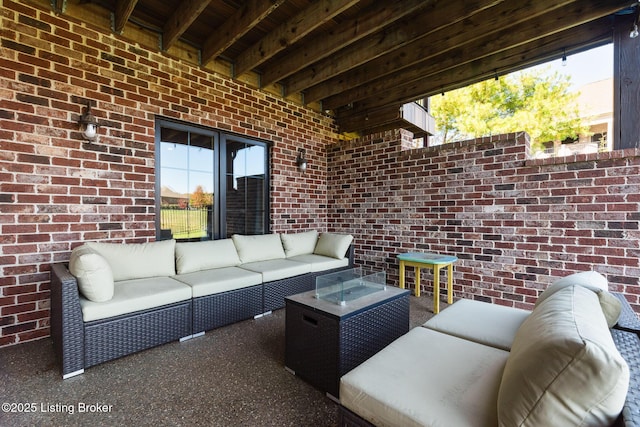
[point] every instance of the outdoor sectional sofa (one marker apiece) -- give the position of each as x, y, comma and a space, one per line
478, 364
111, 300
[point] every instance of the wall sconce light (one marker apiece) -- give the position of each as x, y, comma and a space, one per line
89, 125
634, 30
301, 160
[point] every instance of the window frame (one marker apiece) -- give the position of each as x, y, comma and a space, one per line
221, 139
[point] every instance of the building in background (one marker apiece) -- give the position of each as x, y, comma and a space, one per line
596, 108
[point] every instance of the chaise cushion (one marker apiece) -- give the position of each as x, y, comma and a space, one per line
95, 279
490, 324
209, 282
138, 260
299, 243
136, 295
277, 269
593, 281
333, 245
564, 368
427, 378
261, 247
197, 256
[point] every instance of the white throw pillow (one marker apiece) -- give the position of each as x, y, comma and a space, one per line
92, 271
261, 247
197, 256
333, 245
138, 260
299, 243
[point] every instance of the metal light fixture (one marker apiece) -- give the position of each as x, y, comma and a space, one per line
301, 160
89, 125
634, 30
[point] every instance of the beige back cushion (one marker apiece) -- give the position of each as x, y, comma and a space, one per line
564, 368
261, 247
299, 243
594, 281
333, 245
138, 260
198, 256
92, 271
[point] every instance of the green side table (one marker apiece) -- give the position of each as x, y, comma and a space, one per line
420, 260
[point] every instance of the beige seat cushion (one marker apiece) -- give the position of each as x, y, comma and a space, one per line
138, 260
321, 262
261, 247
135, 295
333, 245
209, 282
427, 378
564, 368
594, 281
277, 269
197, 256
93, 273
299, 243
490, 324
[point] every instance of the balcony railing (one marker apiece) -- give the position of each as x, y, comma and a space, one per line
417, 119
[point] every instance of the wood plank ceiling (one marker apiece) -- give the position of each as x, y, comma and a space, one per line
358, 59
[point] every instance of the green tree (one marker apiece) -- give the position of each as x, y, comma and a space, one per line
537, 102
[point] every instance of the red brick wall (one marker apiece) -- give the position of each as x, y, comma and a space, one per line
57, 191
514, 224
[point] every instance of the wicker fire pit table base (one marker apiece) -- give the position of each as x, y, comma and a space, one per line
325, 340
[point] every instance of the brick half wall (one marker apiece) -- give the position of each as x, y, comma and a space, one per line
515, 224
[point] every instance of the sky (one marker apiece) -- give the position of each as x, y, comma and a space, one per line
586, 67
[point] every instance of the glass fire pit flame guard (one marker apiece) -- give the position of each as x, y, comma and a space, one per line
349, 285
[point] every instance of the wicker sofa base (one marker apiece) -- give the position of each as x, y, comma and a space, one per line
276, 291
346, 418
214, 311
118, 336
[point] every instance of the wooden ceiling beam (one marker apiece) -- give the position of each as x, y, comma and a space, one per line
489, 21
589, 35
290, 32
483, 69
124, 9
436, 16
246, 18
181, 20
369, 120
508, 37
373, 19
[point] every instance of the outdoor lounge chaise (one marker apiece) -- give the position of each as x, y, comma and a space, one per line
478, 364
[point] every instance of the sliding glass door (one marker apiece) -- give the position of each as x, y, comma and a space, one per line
209, 184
